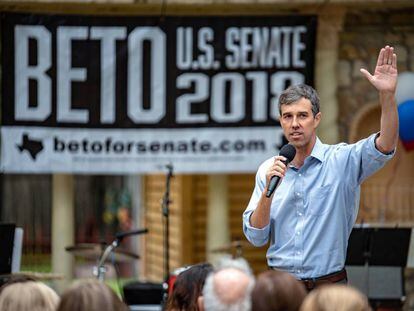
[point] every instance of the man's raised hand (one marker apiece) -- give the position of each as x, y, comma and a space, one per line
384, 78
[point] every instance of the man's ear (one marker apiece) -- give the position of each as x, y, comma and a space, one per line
200, 303
318, 117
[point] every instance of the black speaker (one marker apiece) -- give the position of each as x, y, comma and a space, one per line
143, 293
381, 284
375, 262
6, 247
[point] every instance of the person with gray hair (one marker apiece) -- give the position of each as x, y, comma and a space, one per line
228, 288
310, 215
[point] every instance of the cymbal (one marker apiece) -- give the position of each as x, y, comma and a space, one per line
228, 248
93, 251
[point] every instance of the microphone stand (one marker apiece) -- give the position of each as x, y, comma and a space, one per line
165, 212
100, 270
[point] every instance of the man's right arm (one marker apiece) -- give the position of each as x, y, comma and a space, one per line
256, 218
260, 217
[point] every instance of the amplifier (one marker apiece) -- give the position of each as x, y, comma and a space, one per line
143, 293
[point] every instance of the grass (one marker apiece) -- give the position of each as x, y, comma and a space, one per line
36, 263
41, 263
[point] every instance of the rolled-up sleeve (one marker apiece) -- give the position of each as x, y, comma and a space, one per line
361, 159
256, 236
371, 158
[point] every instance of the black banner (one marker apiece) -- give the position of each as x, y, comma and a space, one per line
88, 94
144, 72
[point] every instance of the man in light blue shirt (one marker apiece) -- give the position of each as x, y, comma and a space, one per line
310, 216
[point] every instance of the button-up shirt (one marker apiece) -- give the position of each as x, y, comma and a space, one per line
314, 208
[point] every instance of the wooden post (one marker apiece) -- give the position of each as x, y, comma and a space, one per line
187, 219
63, 225
330, 22
218, 233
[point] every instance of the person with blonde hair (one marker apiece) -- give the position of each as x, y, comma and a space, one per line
88, 295
335, 298
31, 295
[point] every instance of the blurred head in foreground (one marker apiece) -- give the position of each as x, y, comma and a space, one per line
28, 295
277, 291
90, 295
335, 298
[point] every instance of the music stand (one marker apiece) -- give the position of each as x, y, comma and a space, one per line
376, 259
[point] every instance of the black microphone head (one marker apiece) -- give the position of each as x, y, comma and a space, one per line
288, 151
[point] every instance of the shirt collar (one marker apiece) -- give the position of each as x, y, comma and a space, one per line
318, 150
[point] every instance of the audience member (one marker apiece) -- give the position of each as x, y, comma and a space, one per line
15, 278
277, 291
188, 287
90, 295
28, 295
335, 298
228, 288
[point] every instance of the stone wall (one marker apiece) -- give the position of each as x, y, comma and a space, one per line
363, 35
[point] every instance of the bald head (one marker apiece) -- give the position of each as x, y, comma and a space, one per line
230, 285
228, 288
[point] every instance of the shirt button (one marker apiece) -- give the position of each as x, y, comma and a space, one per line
298, 194
298, 271
299, 213
300, 175
298, 233
298, 253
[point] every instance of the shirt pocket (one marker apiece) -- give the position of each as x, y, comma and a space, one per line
319, 199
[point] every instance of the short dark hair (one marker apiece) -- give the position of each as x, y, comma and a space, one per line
295, 92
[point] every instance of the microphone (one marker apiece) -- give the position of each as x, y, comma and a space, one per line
121, 235
289, 152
